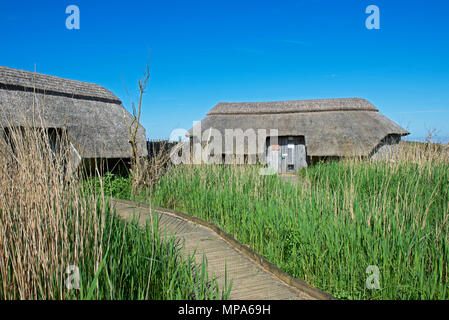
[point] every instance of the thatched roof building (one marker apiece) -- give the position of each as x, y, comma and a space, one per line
330, 127
91, 115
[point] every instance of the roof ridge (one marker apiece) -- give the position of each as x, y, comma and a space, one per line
17, 78
293, 106
292, 111
301, 100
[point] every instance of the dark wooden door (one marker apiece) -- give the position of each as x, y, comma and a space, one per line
289, 155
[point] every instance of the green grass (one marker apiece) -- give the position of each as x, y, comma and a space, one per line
112, 184
142, 264
341, 218
139, 264
117, 260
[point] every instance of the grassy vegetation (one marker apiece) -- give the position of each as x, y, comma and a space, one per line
50, 221
341, 218
140, 264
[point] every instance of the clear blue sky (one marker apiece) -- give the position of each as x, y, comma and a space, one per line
204, 52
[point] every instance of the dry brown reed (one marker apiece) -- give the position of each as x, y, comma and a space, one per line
46, 221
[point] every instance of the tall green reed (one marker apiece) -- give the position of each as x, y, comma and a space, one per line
339, 219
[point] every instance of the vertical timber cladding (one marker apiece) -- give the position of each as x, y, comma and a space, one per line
288, 155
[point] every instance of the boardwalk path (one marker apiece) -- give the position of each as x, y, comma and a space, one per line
253, 277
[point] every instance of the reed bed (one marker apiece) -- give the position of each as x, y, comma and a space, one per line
336, 221
52, 220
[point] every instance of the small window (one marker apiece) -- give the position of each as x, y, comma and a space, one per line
291, 167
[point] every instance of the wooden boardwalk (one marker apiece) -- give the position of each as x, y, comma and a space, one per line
253, 277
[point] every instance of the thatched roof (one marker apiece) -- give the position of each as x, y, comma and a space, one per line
92, 116
315, 105
331, 127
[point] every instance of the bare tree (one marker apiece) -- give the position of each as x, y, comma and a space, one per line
145, 172
137, 164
